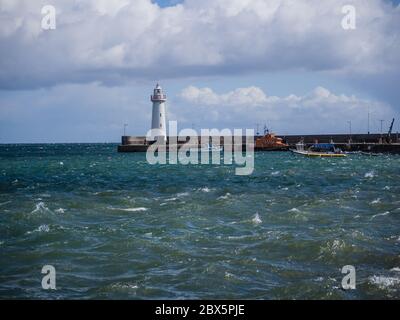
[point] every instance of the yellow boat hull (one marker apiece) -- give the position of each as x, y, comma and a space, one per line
320, 154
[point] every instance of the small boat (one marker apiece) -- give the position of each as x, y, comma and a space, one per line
319, 150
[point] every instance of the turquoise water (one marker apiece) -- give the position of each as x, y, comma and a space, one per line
114, 226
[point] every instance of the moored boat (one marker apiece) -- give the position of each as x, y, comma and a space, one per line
319, 150
270, 142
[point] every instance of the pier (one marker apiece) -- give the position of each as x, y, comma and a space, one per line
370, 143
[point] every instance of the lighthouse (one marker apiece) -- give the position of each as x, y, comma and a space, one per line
158, 121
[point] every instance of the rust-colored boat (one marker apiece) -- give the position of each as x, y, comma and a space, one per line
270, 142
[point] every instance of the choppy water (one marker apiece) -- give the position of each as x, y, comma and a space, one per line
115, 227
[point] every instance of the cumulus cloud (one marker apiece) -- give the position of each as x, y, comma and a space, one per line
241, 96
112, 41
317, 111
106, 50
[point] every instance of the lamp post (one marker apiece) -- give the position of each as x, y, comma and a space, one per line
382, 121
349, 122
125, 125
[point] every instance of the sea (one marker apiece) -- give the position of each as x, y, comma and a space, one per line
115, 227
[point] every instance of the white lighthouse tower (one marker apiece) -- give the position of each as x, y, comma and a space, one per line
158, 122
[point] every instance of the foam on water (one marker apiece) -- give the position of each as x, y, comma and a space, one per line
182, 194
376, 201
370, 174
226, 196
380, 214
257, 219
129, 209
124, 286
384, 282
41, 228
40, 207
333, 247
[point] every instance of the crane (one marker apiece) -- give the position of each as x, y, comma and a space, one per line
390, 131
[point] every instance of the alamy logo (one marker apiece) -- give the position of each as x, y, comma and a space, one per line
349, 280
187, 147
349, 20
49, 280
49, 18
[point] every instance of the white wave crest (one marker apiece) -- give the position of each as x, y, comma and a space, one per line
384, 282
129, 209
369, 174
333, 247
226, 196
40, 207
376, 201
380, 214
41, 228
256, 219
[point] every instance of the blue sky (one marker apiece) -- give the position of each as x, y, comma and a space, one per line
168, 3
222, 64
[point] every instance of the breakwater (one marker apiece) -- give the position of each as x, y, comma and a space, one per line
372, 143
373, 138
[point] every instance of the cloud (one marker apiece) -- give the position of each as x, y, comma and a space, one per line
119, 40
96, 113
241, 96
317, 111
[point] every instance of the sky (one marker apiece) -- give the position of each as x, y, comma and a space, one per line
222, 63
